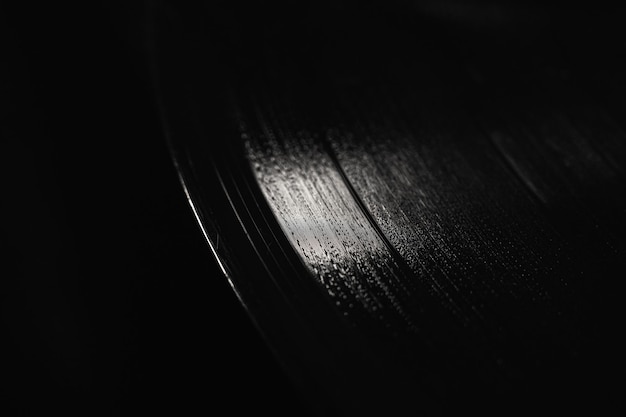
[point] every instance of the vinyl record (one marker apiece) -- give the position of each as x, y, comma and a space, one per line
421, 206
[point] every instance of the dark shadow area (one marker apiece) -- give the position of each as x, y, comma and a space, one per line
111, 301
111, 304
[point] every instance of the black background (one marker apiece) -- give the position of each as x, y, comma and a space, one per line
111, 303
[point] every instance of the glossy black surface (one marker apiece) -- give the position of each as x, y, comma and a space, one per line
423, 214
419, 205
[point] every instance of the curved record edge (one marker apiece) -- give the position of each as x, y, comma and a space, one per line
334, 367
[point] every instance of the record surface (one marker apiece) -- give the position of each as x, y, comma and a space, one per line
422, 211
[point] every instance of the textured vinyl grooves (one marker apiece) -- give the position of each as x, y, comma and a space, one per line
426, 219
